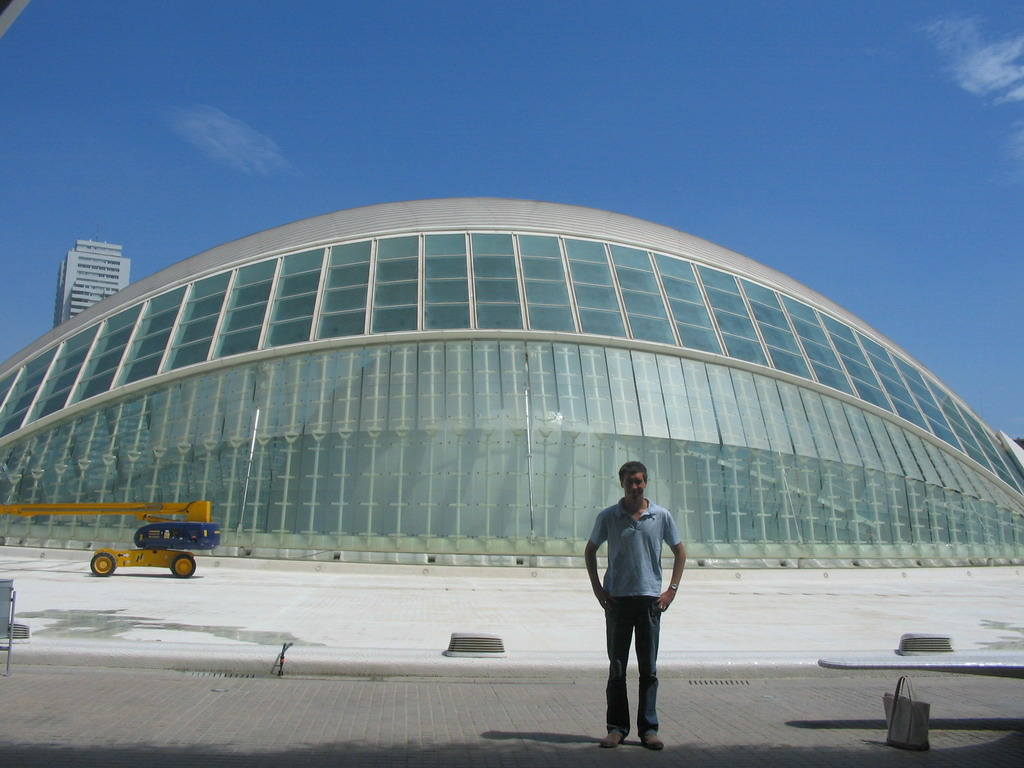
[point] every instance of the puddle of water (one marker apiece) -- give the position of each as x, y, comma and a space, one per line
109, 625
1006, 643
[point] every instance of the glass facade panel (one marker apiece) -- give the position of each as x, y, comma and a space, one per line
547, 297
496, 283
343, 309
24, 392
601, 323
62, 377
247, 307
147, 350
396, 296
198, 321
641, 294
539, 245
107, 353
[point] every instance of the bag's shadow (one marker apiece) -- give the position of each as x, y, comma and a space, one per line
935, 724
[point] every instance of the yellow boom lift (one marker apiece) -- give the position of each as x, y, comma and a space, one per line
160, 542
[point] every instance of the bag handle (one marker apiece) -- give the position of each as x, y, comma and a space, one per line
899, 687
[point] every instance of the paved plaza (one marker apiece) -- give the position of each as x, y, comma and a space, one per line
144, 669
55, 717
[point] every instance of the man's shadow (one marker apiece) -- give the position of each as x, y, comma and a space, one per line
549, 738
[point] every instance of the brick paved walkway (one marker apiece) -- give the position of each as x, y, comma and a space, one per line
77, 717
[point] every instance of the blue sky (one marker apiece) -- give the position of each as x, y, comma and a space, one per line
872, 150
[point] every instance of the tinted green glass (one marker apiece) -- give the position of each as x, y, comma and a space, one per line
631, 258
297, 285
543, 269
644, 304
691, 314
712, 278
249, 317
397, 248
397, 271
297, 263
245, 296
703, 339
672, 267
491, 244
761, 295
595, 297
494, 266
445, 267
395, 294
679, 289
551, 318
194, 331
501, 291
350, 253
651, 329
744, 349
256, 273
444, 245
342, 277
345, 299
601, 323
539, 245
446, 316
498, 316
546, 293
593, 274
290, 309
445, 291
585, 250
291, 332
394, 319
635, 280
342, 324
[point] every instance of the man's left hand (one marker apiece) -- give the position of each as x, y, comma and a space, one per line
666, 599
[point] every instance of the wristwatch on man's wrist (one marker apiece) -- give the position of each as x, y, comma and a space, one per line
673, 587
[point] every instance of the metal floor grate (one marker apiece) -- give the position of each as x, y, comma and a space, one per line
246, 675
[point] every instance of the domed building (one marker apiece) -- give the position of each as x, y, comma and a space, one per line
457, 381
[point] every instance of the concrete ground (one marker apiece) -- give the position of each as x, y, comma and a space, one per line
344, 618
141, 666
57, 717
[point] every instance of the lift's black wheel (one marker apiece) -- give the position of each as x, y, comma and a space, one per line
103, 564
183, 566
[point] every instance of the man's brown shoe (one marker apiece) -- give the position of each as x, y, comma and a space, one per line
651, 741
613, 739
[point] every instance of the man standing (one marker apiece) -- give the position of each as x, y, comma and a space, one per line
632, 599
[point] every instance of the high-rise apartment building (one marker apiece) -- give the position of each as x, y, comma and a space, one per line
90, 272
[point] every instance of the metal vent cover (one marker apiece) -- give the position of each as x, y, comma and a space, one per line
921, 645
475, 645
20, 633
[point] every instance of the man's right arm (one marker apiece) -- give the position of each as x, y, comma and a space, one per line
590, 558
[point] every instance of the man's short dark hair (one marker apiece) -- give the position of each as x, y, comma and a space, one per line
631, 468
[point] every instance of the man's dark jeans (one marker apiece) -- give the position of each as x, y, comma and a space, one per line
626, 617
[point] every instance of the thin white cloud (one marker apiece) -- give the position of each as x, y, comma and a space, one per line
991, 70
230, 142
983, 68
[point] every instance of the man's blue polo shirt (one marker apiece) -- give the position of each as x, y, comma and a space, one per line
634, 548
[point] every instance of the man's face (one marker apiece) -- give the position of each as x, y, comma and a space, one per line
634, 485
